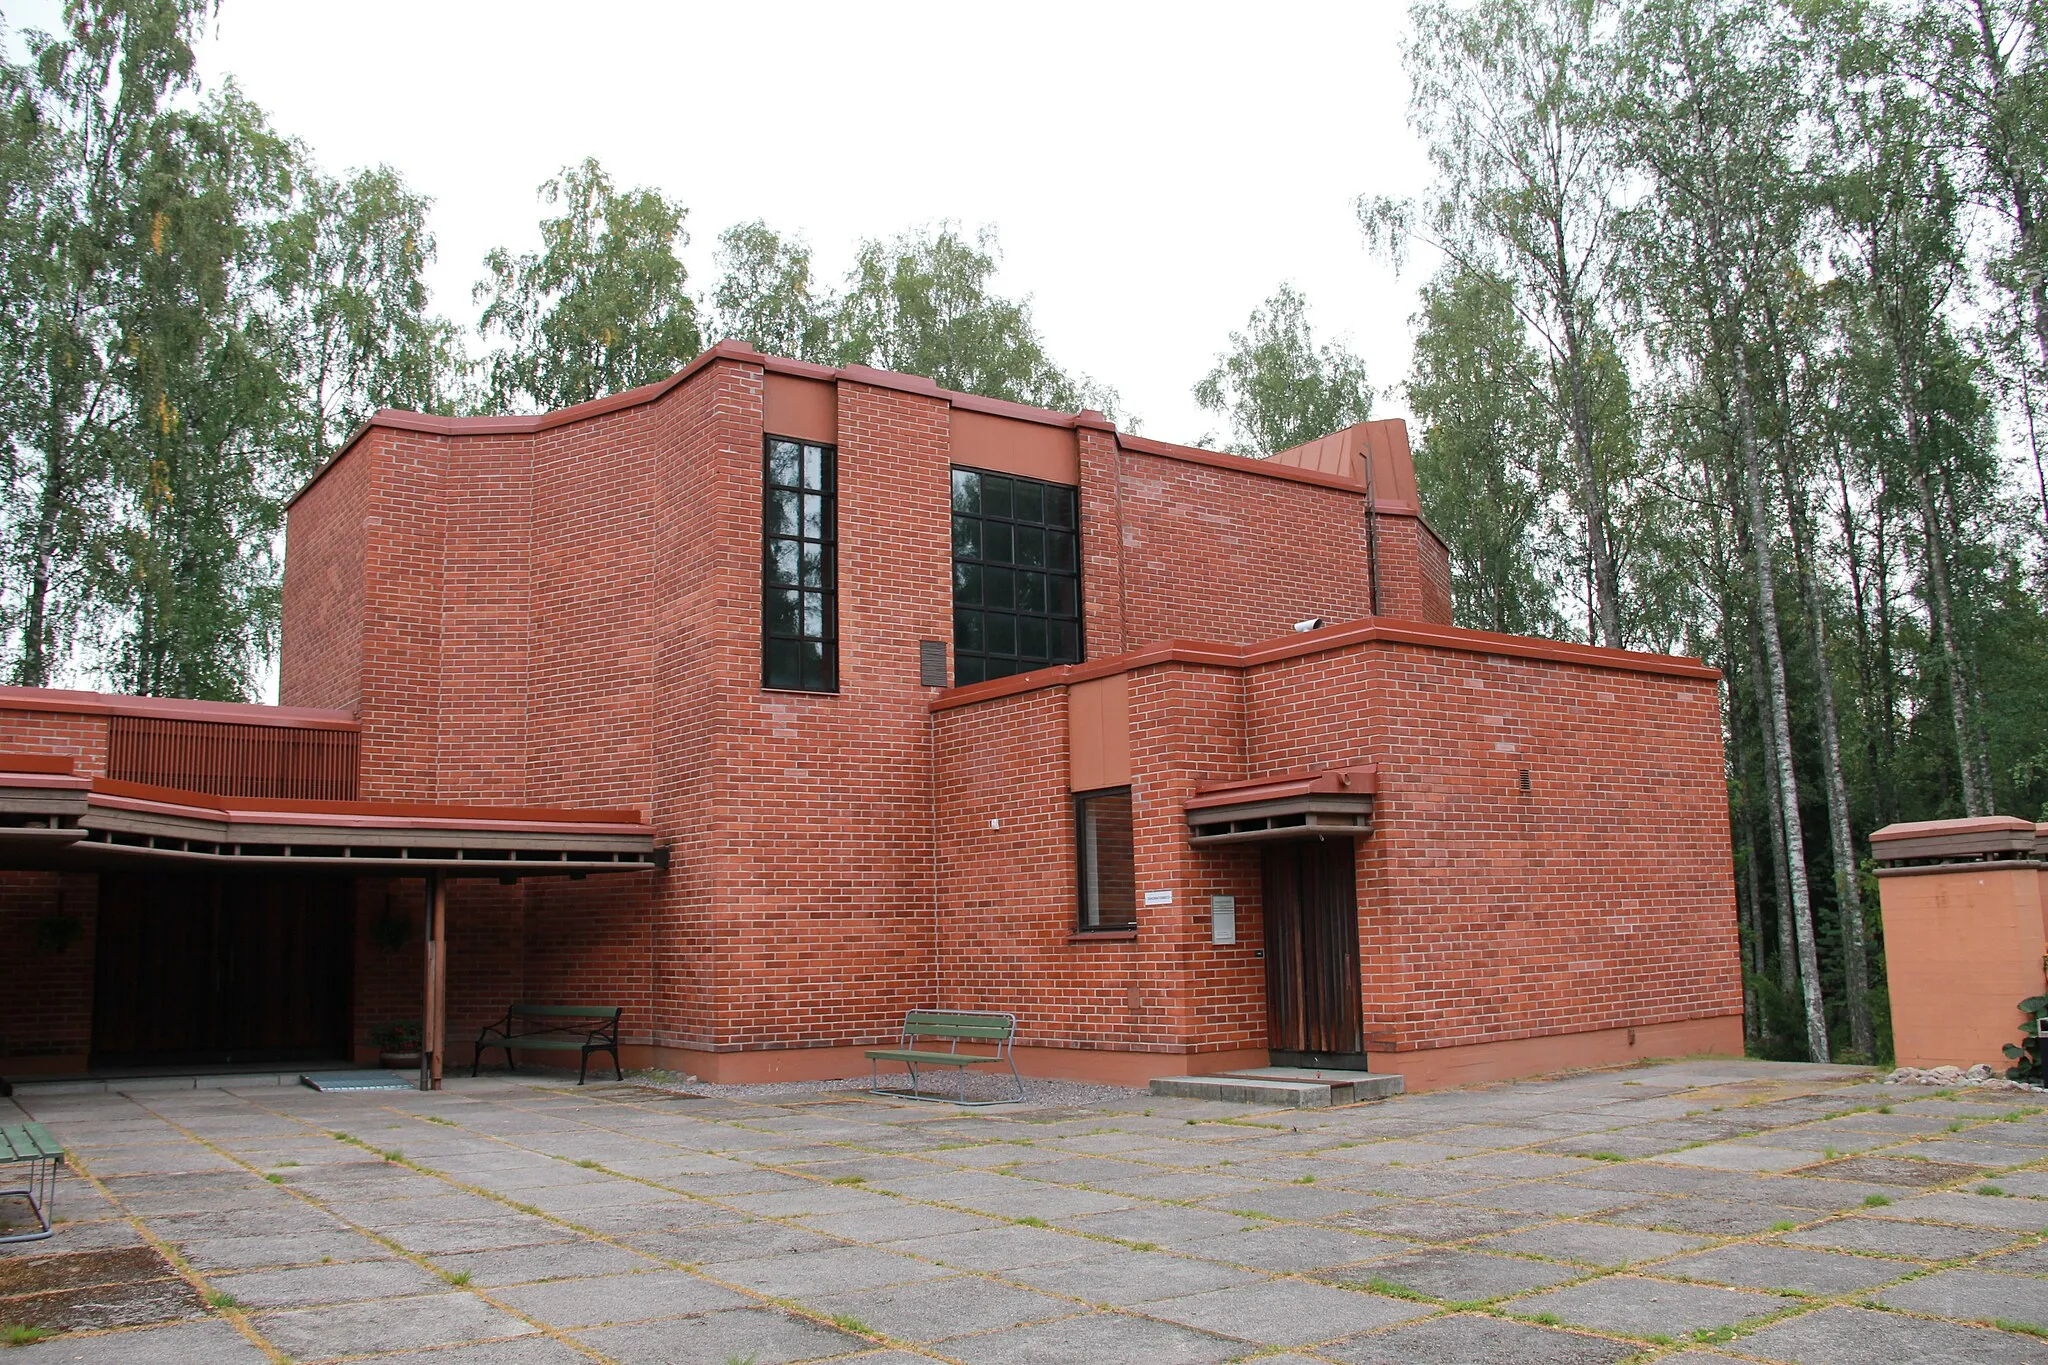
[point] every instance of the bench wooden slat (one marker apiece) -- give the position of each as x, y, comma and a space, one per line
29, 1142
569, 1011
930, 1058
948, 1024
546, 1042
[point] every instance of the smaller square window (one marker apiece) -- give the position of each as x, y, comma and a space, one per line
1105, 860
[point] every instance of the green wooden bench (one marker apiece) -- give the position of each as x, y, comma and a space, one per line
30, 1147
582, 1029
957, 1026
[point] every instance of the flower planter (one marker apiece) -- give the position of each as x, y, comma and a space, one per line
398, 1061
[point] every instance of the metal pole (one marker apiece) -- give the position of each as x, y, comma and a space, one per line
434, 1016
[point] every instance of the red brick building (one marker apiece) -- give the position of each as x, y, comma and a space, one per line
873, 696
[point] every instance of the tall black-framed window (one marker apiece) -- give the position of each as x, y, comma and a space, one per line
799, 566
1016, 575
1105, 859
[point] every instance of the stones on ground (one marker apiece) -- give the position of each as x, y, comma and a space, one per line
1592, 1243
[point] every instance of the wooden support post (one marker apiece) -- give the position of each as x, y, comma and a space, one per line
434, 1017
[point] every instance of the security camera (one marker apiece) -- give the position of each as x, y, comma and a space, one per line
1313, 623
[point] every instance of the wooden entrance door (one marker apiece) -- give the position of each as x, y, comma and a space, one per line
1313, 1012
197, 969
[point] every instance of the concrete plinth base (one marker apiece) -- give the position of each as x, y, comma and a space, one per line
1282, 1086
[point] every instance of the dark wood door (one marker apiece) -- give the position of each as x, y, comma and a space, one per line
1310, 898
194, 969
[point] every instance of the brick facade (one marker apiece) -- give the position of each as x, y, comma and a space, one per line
565, 611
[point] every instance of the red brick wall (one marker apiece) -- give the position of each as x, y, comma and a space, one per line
1211, 553
46, 1016
82, 738
1603, 898
321, 656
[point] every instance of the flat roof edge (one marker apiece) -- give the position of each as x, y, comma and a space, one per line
1384, 630
80, 702
399, 419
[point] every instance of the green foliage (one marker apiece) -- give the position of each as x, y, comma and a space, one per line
2028, 1054
766, 296
1488, 430
921, 303
602, 306
402, 1036
190, 314
1277, 387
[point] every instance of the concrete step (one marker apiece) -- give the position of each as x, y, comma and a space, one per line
1282, 1087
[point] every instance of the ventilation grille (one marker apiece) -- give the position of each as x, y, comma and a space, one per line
931, 663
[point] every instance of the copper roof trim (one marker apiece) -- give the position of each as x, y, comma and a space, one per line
1993, 837
53, 765
1358, 780
359, 814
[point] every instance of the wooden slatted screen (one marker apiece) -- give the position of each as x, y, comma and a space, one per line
275, 761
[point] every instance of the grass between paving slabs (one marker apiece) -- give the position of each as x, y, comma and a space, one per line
764, 1160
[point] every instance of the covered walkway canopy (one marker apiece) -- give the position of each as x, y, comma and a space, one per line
53, 818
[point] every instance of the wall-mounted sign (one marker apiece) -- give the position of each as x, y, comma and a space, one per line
1159, 897
1222, 919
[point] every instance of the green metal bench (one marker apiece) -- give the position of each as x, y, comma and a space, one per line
29, 1145
582, 1029
958, 1026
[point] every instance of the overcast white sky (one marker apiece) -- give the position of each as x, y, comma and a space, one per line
1154, 170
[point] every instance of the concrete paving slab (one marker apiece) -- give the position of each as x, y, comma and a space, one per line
1636, 1307
760, 1335
608, 1299
1745, 1156
190, 1343
735, 1241
1098, 1336
387, 1325
1593, 1244
1455, 1276
1467, 1340
1000, 1248
1711, 1217
1124, 1278
933, 1310
1290, 1249
824, 1272
1437, 1222
1857, 1336
313, 1285
1767, 1266
553, 1261
1971, 1210
1287, 1312
1974, 1295
1887, 1237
